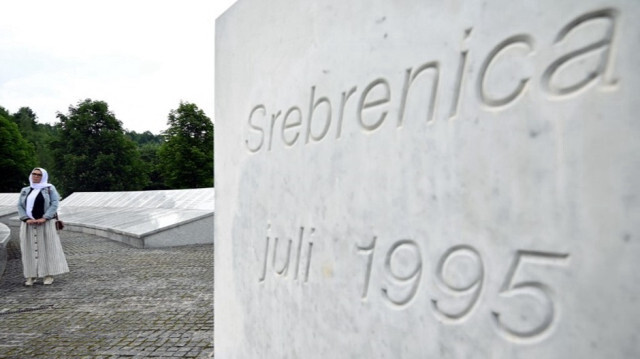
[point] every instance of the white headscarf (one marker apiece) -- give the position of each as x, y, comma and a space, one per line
44, 181
36, 189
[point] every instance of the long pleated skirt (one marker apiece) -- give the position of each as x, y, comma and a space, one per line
42, 253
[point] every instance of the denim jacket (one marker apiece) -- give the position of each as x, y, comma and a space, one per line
51, 200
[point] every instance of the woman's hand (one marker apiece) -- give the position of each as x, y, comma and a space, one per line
36, 221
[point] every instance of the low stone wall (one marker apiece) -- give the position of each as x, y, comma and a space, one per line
5, 235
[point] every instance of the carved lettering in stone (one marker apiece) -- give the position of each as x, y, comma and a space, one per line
375, 100
281, 259
460, 276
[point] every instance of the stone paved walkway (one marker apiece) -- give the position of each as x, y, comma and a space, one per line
117, 302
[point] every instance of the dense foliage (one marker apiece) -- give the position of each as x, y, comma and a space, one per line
186, 156
38, 135
92, 153
17, 156
149, 145
88, 150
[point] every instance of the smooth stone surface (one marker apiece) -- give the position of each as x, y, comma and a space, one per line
144, 219
8, 206
427, 179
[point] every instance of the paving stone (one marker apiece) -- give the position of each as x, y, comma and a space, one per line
117, 302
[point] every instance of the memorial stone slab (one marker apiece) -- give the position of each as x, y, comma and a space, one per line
144, 219
5, 235
427, 179
8, 206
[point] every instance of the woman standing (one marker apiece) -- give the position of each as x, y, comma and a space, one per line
42, 254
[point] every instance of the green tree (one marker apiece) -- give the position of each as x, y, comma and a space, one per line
39, 135
148, 146
149, 153
4, 113
25, 118
16, 156
144, 138
186, 156
92, 153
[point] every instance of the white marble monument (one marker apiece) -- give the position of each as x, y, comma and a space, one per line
142, 219
8, 206
428, 179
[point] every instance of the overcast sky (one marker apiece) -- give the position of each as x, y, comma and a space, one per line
142, 57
